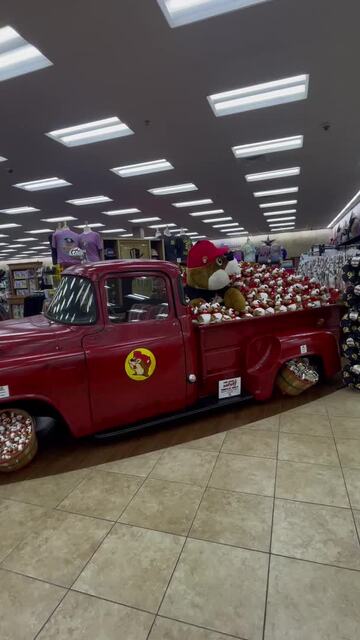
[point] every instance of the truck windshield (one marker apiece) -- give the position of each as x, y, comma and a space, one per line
74, 302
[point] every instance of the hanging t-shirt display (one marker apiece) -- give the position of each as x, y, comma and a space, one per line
66, 242
170, 248
264, 254
92, 244
249, 251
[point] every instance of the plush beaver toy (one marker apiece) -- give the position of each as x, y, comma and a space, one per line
207, 273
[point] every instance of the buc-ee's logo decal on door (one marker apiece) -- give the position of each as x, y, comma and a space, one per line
140, 364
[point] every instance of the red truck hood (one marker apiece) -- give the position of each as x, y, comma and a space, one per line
28, 333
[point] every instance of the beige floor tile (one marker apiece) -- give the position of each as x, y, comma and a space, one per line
45, 492
219, 587
312, 532
185, 465
343, 403
349, 452
165, 629
352, 479
58, 548
164, 506
135, 466
17, 520
313, 449
245, 474
251, 443
132, 567
102, 494
210, 443
348, 428
357, 520
311, 602
311, 483
82, 617
316, 407
305, 424
238, 519
25, 605
266, 424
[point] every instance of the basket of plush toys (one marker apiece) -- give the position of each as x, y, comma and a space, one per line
18, 441
296, 376
220, 289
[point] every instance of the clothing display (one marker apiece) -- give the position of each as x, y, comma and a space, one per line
249, 251
65, 241
92, 244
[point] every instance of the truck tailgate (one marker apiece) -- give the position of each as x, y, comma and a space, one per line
256, 348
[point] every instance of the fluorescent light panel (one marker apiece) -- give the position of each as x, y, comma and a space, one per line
176, 188
142, 168
228, 224
192, 203
258, 96
145, 219
275, 192
180, 12
283, 229
206, 213
120, 212
282, 224
59, 219
127, 235
161, 226
217, 219
281, 203
42, 184
112, 230
92, 225
17, 56
272, 175
26, 240
269, 146
235, 233
39, 231
279, 213
90, 132
16, 210
79, 202
9, 226
2, 159
344, 210
284, 219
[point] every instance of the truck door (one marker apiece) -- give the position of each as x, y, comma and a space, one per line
136, 365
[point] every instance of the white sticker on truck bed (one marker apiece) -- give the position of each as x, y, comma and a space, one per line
4, 391
303, 348
229, 388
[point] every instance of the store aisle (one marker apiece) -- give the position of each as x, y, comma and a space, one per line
247, 533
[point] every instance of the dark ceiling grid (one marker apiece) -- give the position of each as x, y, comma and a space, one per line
125, 60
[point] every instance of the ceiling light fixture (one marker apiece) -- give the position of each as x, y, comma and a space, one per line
192, 203
161, 226
92, 225
279, 213
209, 220
27, 240
282, 224
269, 146
145, 219
176, 188
41, 185
2, 159
281, 203
228, 224
180, 12
17, 56
127, 235
120, 212
237, 233
284, 219
90, 132
59, 219
206, 213
16, 210
343, 211
258, 96
112, 230
271, 175
275, 192
40, 231
80, 202
283, 229
142, 168
9, 226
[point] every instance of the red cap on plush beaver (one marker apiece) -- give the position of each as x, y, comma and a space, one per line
204, 252
142, 357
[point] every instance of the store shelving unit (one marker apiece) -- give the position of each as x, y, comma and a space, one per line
23, 281
133, 248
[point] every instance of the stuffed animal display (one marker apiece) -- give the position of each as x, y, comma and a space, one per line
208, 276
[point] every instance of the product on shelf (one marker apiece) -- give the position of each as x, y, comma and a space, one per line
350, 323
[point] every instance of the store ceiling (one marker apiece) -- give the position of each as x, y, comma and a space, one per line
121, 58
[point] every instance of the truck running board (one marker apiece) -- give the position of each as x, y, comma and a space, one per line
201, 407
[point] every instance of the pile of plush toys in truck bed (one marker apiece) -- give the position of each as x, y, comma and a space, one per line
267, 290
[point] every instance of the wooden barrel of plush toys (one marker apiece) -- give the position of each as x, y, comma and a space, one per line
18, 441
296, 376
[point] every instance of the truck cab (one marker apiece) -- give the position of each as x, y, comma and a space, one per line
117, 347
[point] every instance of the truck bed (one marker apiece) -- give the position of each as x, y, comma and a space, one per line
256, 348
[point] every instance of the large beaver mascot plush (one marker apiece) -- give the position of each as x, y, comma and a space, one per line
207, 274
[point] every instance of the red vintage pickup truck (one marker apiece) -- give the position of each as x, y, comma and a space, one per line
117, 348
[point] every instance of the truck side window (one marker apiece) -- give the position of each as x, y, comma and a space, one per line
136, 299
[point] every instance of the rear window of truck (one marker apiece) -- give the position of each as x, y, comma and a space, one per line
74, 302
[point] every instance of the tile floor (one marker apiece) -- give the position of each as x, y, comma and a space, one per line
251, 534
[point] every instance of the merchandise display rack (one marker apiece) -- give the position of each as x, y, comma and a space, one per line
351, 323
23, 281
